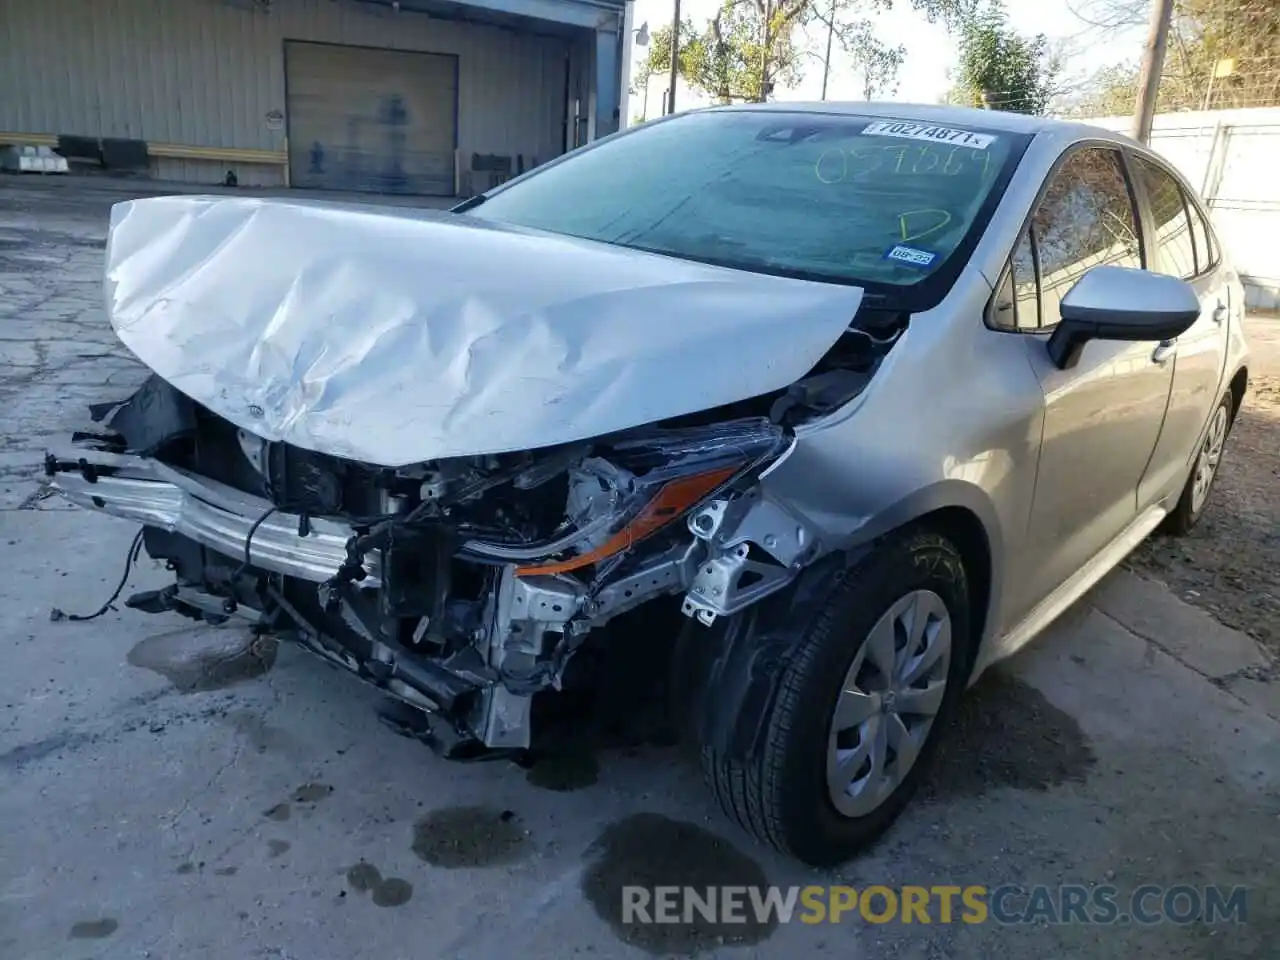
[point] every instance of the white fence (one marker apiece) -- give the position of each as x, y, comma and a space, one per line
1233, 158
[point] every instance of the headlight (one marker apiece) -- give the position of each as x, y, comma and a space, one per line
637, 484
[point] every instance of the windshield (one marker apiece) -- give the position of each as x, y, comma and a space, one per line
833, 197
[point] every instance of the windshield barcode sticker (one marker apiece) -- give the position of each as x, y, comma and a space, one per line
927, 131
911, 256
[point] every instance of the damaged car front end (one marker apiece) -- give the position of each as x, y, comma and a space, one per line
280, 457
462, 587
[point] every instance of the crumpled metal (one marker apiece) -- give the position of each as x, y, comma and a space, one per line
395, 336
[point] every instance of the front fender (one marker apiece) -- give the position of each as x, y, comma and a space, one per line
727, 675
942, 495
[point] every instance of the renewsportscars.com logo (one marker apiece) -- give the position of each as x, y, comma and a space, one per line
942, 903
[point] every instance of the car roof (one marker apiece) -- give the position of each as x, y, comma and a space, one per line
939, 114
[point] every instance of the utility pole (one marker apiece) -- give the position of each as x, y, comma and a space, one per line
675, 58
1152, 67
826, 61
764, 53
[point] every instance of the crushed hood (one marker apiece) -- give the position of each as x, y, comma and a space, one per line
396, 336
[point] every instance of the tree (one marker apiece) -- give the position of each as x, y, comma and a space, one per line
729, 60
878, 63
779, 20
723, 60
1000, 69
1110, 92
1222, 53
750, 47
657, 62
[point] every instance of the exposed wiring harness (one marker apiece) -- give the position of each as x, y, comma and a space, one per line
135, 549
247, 562
229, 605
878, 341
131, 558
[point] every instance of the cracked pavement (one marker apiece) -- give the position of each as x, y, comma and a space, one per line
271, 815
60, 353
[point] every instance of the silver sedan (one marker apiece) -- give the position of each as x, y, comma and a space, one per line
869, 393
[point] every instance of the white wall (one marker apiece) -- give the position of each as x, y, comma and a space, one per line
1233, 158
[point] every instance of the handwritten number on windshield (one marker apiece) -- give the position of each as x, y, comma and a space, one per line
832, 166
926, 153
838, 165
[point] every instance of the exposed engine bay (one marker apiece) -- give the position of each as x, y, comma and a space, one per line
466, 585
445, 477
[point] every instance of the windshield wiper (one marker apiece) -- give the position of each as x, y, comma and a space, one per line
469, 204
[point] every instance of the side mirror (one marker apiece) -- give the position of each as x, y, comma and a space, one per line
1118, 303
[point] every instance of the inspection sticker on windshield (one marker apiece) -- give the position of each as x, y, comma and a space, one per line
928, 131
911, 256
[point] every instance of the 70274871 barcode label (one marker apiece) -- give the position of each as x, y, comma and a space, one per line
930, 132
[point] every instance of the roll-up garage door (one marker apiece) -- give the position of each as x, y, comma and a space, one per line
382, 121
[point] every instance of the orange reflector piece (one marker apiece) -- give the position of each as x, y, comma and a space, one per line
670, 503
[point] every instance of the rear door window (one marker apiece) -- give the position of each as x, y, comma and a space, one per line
1206, 249
1175, 249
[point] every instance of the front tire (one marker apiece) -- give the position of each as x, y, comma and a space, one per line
874, 679
1195, 495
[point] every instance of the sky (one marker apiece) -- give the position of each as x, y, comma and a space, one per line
930, 54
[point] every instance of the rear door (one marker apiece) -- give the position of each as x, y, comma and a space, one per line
1102, 415
1181, 246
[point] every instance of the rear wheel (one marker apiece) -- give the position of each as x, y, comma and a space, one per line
1195, 495
875, 677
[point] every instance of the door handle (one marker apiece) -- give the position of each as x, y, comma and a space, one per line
1164, 352
1219, 313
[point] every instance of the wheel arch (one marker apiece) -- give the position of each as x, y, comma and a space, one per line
1239, 385
966, 515
965, 529
726, 676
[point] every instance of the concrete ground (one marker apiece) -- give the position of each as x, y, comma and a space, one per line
265, 812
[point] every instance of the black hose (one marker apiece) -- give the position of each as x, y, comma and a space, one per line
248, 543
229, 604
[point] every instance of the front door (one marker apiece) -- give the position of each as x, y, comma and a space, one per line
1182, 247
1102, 416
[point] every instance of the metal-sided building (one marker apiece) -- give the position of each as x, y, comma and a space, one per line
389, 96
